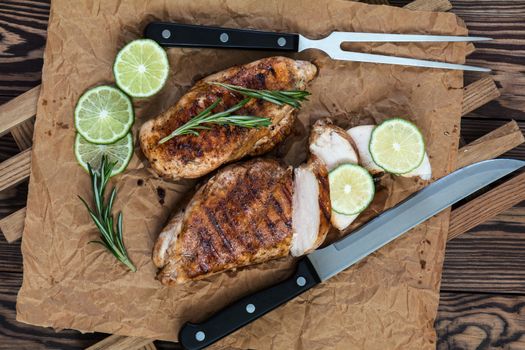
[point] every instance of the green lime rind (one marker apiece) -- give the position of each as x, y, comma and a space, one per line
361, 193
104, 115
141, 73
382, 159
119, 152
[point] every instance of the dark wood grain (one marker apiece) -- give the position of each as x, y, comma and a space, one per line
480, 321
22, 38
490, 258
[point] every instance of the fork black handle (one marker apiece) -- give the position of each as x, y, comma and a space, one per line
193, 336
188, 35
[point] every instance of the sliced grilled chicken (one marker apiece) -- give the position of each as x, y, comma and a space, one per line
361, 137
190, 156
333, 146
240, 216
311, 207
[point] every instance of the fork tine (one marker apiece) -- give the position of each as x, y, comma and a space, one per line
399, 38
373, 58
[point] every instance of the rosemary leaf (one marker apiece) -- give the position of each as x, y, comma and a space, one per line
279, 97
111, 236
290, 97
221, 118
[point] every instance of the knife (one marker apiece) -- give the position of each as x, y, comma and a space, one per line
188, 35
324, 263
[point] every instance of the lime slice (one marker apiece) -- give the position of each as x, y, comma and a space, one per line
397, 146
119, 152
103, 115
351, 189
141, 68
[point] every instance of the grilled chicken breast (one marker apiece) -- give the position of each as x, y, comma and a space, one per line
189, 156
241, 216
333, 146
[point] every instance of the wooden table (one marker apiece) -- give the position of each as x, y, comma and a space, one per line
483, 287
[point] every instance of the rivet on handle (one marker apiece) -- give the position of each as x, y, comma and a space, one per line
250, 308
301, 281
166, 34
224, 37
200, 336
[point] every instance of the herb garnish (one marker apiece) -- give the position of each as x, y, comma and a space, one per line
221, 118
278, 97
110, 235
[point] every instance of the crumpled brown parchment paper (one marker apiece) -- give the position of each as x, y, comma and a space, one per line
387, 301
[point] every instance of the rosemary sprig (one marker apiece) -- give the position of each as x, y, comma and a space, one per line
110, 235
221, 118
279, 97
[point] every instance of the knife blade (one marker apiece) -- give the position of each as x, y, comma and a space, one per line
324, 263
188, 35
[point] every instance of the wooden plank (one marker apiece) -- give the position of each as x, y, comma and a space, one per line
118, 342
429, 5
474, 128
12, 226
15, 170
18, 110
480, 321
479, 93
491, 145
23, 134
486, 206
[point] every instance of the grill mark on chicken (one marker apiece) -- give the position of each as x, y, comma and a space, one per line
276, 205
225, 241
285, 201
206, 245
188, 156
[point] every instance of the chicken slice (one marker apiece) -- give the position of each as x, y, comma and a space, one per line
311, 207
240, 216
333, 146
361, 137
190, 156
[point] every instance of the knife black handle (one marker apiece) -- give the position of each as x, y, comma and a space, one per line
194, 336
187, 35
